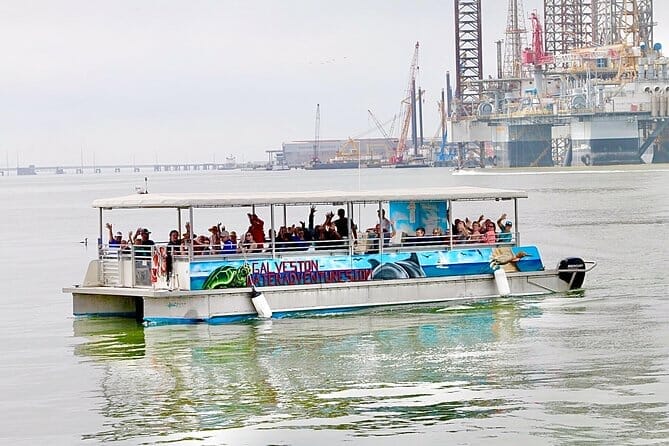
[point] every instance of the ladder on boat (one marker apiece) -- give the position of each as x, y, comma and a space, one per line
109, 268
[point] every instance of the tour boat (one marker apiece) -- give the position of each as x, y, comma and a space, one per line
171, 284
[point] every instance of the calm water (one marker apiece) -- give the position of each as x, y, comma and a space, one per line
552, 370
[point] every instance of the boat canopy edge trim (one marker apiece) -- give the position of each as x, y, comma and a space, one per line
205, 200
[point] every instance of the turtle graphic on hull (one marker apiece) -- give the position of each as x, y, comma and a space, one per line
401, 269
227, 277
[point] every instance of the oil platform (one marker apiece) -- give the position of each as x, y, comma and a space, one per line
590, 87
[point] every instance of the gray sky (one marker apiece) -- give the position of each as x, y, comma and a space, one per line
177, 80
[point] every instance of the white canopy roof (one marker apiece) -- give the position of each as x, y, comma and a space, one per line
217, 200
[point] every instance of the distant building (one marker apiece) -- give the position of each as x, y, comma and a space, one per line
299, 153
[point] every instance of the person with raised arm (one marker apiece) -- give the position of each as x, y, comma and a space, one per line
257, 230
114, 239
505, 226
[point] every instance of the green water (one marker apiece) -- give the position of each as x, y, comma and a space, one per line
556, 370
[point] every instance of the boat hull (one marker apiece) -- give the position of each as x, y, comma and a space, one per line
411, 166
230, 305
336, 165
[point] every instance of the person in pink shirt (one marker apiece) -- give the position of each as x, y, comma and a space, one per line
489, 235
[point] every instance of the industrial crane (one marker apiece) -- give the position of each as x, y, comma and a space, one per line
406, 110
386, 137
536, 55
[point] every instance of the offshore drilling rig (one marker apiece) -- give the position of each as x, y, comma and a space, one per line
588, 87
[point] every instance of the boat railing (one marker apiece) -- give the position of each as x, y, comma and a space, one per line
133, 266
365, 243
109, 266
126, 265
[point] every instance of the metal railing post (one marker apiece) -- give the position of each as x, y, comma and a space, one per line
449, 212
134, 265
190, 234
515, 217
272, 231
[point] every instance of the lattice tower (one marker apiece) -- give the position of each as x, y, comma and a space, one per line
623, 21
515, 39
568, 24
468, 53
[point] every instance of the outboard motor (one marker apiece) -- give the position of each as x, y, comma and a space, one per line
574, 278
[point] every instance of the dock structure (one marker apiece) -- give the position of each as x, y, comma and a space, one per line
597, 92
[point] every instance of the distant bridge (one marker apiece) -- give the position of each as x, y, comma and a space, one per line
99, 168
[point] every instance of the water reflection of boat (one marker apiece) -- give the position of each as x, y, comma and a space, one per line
208, 378
114, 338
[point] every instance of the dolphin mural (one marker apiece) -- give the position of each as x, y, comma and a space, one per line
401, 269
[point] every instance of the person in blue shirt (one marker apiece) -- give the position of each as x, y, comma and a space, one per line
114, 239
505, 226
227, 245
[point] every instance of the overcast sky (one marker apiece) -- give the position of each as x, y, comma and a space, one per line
189, 80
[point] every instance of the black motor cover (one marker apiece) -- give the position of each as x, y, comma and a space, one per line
574, 263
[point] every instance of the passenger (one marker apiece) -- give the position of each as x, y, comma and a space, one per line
143, 243
125, 247
186, 239
373, 236
489, 236
233, 239
342, 224
468, 223
257, 230
387, 227
333, 237
437, 237
215, 239
476, 236
188, 234
200, 242
460, 233
330, 233
505, 236
201, 245
136, 238
308, 232
227, 245
318, 236
299, 242
420, 232
145, 237
248, 245
293, 241
174, 243
418, 239
114, 239
282, 240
